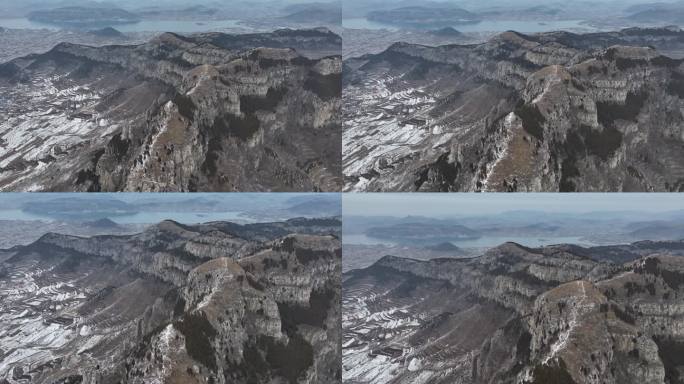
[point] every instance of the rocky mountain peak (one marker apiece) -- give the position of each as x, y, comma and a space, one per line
561, 112
618, 52
209, 106
192, 303
561, 314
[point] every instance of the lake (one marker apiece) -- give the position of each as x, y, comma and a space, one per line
137, 218
484, 26
482, 242
179, 26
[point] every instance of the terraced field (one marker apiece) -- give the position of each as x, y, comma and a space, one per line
383, 124
49, 118
367, 322
45, 317
398, 328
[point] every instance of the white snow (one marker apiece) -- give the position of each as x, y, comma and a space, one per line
503, 151
383, 126
564, 336
42, 117
414, 365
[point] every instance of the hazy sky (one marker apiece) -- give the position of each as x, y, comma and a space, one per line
515, 2
160, 2
14, 200
154, 207
440, 205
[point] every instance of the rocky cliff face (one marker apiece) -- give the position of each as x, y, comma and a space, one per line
547, 112
216, 303
207, 112
560, 314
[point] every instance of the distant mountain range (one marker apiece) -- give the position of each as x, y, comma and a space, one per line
100, 209
314, 13
316, 205
424, 17
657, 13
105, 223
74, 208
446, 32
412, 233
659, 231
82, 17
195, 11
108, 32
599, 227
444, 247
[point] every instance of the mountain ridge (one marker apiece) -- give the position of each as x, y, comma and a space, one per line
544, 112
206, 112
529, 316
199, 303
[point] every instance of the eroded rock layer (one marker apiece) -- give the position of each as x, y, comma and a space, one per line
547, 112
215, 303
560, 314
207, 112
